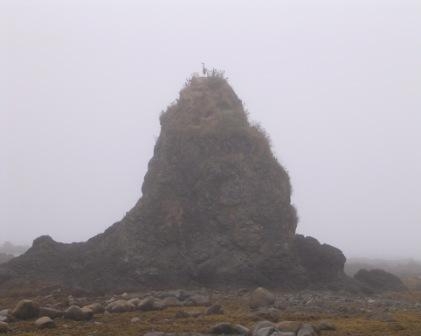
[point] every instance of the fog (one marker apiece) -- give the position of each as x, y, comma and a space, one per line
336, 84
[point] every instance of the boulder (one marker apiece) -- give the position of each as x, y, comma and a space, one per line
25, 310
147, 304
78, 314
290, 326
120, 306
261, 297
96, 308
378, 280
45, 322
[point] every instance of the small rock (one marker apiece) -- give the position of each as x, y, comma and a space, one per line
135, 302
261, 297
4, 327
290, 326
25, 310
200, 300
307, 330
88, 313
50, 312
45, 322
215, 309
228, 329
171, 301
78, 314
135, 320
120, 306
147, 304
96, 308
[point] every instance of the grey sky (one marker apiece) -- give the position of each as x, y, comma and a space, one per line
336, 84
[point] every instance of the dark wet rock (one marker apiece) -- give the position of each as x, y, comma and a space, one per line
261, 297
323, 263
228, 329
45, 322
25, 310
377, 280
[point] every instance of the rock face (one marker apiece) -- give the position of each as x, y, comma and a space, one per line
215, 211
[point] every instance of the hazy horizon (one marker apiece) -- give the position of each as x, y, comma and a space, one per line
335, 84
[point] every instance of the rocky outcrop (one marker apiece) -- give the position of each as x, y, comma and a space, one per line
216, 211
379, 281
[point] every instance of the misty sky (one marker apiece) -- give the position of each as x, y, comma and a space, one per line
336, 84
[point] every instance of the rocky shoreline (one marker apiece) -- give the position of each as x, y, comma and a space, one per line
304, 313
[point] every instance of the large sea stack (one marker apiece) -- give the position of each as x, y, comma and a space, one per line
216, 211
